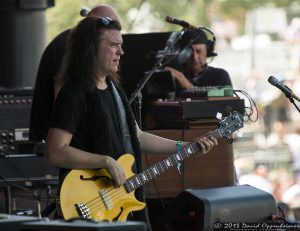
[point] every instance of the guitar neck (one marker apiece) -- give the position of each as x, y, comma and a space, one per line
140, 179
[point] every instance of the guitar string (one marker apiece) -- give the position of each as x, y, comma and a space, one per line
95, 201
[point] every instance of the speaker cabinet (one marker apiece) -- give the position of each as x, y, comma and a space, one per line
81, 225
13, 222
200, 209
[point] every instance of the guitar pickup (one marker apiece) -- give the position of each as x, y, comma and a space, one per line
106, 199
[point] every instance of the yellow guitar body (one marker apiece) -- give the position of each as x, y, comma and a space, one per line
91, 194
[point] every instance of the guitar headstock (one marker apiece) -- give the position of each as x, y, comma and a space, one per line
231, 124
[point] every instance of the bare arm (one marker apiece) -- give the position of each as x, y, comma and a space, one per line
159, 145
180, 77
60, 153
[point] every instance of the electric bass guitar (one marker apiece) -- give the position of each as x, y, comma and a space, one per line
91, 193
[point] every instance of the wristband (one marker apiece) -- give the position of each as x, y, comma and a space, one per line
179, 146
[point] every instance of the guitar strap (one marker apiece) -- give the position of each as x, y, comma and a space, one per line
126, 138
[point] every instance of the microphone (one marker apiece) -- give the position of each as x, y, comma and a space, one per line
182, 23
84, 11
170, 47
173, 38
279, 84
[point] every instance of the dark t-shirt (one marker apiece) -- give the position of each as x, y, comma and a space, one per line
43, 97
71, 113
210, 76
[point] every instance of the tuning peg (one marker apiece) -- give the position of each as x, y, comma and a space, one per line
219, 116
229, 140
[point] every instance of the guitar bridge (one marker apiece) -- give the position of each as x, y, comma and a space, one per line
83, 210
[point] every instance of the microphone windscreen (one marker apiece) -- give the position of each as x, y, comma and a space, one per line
169, 19
272, 80
84, 11
185, 55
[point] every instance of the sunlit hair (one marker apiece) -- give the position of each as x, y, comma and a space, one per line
80, 61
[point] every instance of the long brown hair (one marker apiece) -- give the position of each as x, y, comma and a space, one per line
80, 61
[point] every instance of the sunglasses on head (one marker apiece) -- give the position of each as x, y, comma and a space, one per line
105, 21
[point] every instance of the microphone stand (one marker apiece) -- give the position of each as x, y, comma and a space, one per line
293, 102
138, 91
141, 84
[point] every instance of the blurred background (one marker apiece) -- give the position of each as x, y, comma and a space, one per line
255, 39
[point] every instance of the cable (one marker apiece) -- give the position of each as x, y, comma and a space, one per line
155, 184
283, 215
252, 109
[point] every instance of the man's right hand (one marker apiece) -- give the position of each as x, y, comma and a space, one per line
179, 76
116, 171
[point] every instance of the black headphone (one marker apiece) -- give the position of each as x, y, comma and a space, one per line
210, 43
200, 35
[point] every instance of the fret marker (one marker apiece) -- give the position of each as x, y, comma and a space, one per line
168, 163
137, 180
178, 157
132, 185
155, 171
144, 177
189, 150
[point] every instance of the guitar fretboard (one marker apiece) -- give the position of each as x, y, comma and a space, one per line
192, 148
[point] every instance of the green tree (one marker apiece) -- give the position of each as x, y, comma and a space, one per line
65, 13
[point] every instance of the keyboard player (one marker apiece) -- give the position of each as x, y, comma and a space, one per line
196, 72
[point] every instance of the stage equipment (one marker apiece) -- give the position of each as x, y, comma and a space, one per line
15, 106
82, 225
27, 170
187, 109
25, 174
206, 209
13, 222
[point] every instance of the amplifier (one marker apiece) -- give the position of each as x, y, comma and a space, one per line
15, 107
27, 170
22, 176
200, 209
15, 141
